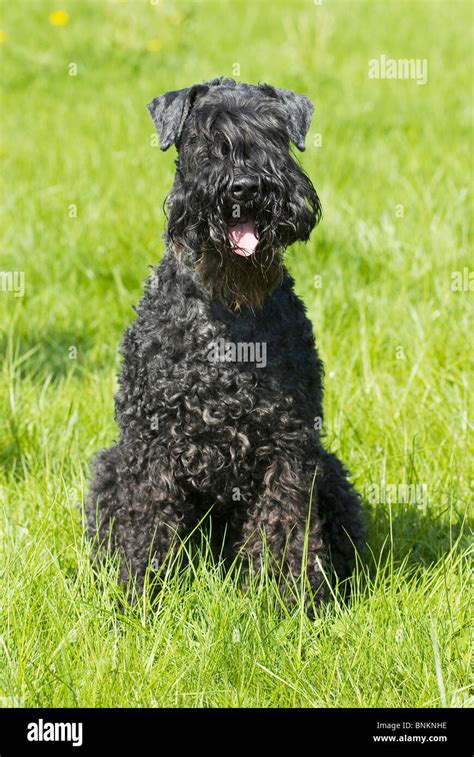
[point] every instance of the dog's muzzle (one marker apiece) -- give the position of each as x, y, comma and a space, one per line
243, 235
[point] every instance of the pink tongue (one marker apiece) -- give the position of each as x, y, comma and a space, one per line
243, 239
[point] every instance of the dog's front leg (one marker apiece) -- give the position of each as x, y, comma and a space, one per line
283, 529
135, 511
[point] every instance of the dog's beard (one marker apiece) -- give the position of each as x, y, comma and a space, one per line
241, 260
241, 279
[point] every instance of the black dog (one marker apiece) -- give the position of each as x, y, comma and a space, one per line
220, 402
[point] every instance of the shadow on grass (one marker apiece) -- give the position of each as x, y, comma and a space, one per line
419, 536
52, 353
41, 359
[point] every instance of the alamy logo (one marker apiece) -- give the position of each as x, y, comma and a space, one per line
238, 352
399, 68
462, 281
13, 281
42, 731
399, 494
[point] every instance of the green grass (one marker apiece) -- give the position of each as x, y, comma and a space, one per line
395, 338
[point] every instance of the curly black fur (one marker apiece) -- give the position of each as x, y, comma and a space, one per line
232, 435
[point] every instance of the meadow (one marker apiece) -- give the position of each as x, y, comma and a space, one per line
386, 282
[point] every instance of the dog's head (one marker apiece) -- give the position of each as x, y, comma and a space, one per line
239, 197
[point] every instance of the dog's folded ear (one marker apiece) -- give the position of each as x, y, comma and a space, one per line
300, 111
169, 112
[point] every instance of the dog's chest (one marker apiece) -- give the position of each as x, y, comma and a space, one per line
217, 380
239, 368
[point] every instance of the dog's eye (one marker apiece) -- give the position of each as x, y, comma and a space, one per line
222, 149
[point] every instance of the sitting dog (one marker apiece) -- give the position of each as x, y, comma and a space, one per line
220, 400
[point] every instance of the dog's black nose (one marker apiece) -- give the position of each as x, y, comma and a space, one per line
244, 187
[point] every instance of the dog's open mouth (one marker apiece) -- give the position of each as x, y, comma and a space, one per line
243, 237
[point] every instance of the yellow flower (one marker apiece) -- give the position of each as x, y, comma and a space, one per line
154, 45
3, 37
59, 18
